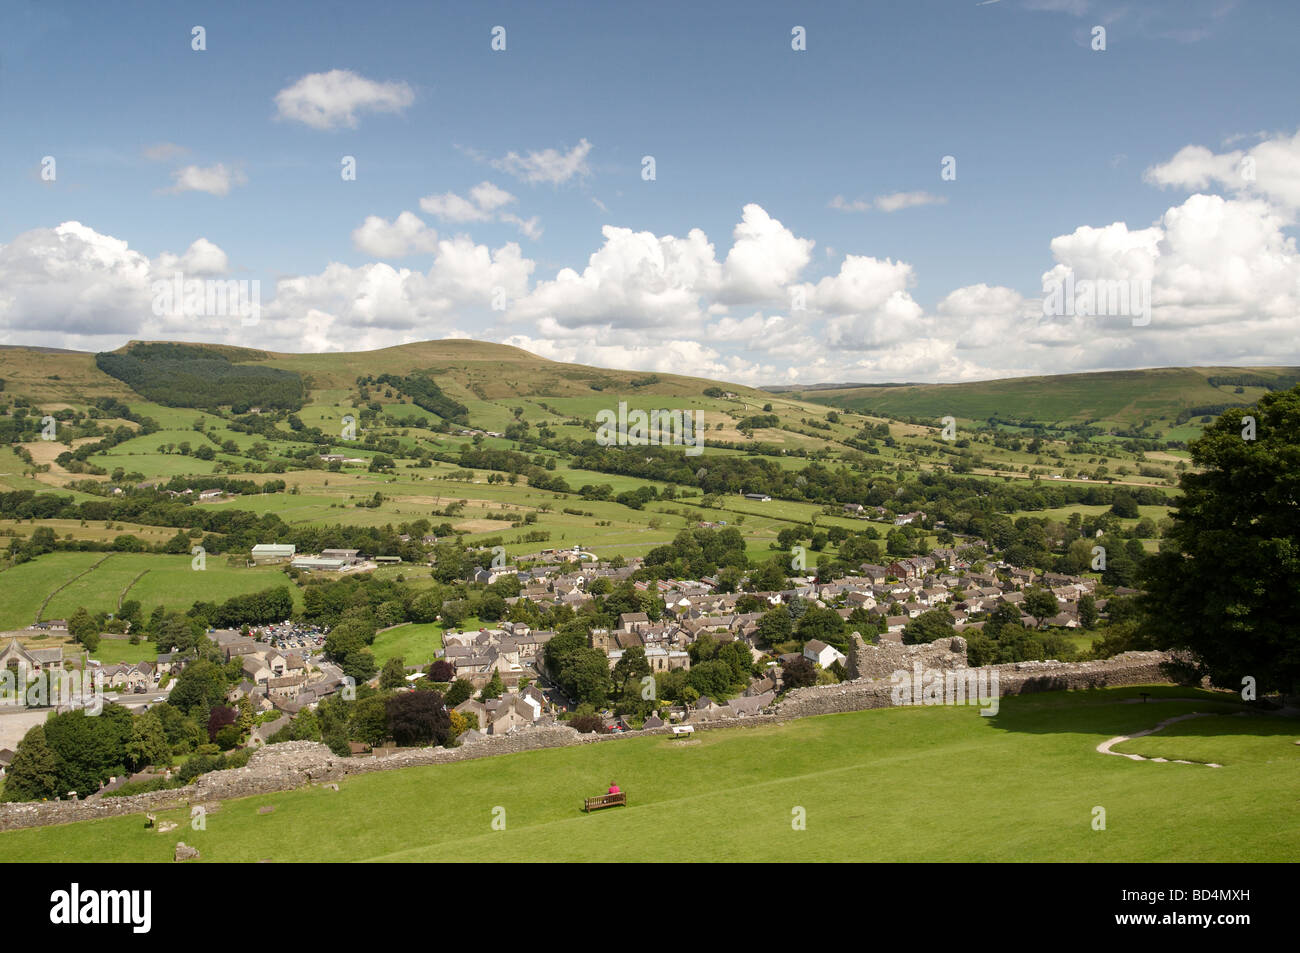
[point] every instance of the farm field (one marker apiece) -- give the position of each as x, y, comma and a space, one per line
27, 586
68, 581
104, 532
729, 795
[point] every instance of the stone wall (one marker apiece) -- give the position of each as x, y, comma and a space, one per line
40, 813
881, 661
293, 764
1015, 678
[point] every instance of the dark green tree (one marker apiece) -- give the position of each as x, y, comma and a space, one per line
199, 683
1040, 604
630, 669
462, 689
34, 773
825, 624
393, 674
1228, 588
928, 626
1087, 611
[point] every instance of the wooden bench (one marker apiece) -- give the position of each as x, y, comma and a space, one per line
604, 800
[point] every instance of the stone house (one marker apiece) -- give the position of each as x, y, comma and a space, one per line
27, 663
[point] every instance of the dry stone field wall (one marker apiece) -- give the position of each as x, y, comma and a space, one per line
293, 764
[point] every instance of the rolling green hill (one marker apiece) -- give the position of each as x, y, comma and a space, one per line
479, 373
1117, 398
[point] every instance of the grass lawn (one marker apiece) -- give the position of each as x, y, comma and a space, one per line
415, 642
114, 651
910, 784
1082, 641
1214, 739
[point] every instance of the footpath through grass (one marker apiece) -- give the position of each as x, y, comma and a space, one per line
927, 784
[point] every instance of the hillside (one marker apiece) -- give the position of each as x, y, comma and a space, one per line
468, 368
1115, 398
480, 371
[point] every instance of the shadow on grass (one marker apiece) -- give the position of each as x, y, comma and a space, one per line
1106, 712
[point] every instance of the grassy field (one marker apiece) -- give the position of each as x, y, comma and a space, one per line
113, 651
63, 582
413, 642
912, 784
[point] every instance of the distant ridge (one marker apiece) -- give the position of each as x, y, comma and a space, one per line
787, 388
43, 350
1119, 399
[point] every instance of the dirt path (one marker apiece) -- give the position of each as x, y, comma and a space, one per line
1105, 746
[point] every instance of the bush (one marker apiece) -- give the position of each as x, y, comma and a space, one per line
237, 759
228, 737
199, 764
799, 673
588, 724
144, 786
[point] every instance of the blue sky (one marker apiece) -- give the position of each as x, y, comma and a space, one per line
158, 146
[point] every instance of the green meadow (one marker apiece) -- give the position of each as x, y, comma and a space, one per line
903, 784
413, 642
115, 651
65, 581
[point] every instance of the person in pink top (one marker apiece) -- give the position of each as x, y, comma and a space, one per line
613, 788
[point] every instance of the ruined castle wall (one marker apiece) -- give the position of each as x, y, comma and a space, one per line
1015, 678
865, 661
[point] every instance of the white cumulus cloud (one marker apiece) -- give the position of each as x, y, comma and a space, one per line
405, 235
216, 179
549, 166
334, 99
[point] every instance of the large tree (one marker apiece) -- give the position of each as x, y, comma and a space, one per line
200, 684
825, 624
89, 749
418, 718
1228, 588
148, 742
1041, 604
929, 626
34, 773
394, 673
630, 669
